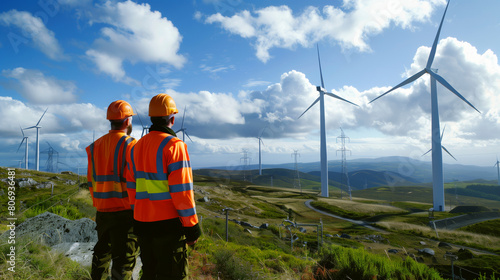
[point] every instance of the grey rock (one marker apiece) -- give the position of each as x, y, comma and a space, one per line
70, 182
345, 235
328, 235
264, 226
26, 182
52, 229
427, 251
444, 245
79, 252
394, 251
45, 185
204, 199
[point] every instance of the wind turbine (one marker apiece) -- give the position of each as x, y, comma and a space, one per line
144, 127
437, 156
26, 150
444, 148
498, 170
183, 129
260, 152
323, 151
37, 158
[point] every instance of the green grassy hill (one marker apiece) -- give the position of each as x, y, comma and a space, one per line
266, 253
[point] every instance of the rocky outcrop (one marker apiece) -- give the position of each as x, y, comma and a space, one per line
75, 239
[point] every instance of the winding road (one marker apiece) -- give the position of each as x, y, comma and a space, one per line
361, 223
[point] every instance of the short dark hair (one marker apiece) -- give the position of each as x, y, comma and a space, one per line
117, 124
161, 121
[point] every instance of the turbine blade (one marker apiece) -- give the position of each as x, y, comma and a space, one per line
30, 127
405, 82
448, 86
179, 130
448, 152
442, 133
338, 97
434, 45
188, 136
316, 101
140, 120
41, 117
320, 72
22, 131
183, 115
262, 131
20, 144
427, 152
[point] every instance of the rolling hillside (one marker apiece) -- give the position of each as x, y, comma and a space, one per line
418, 170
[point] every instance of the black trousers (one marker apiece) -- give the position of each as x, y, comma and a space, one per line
117, 242
163, 256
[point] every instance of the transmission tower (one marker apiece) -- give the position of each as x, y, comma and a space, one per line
49, 165
296, 177
344, 173
246, 162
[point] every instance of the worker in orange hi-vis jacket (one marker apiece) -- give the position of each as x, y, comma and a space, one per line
160, 186
108, 188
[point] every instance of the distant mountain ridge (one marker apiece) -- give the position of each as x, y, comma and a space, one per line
410, 169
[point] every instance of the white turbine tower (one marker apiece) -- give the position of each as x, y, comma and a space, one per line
260, 153
183, 129
144, 127
37, 157
437, 156
498, 170
323, 151
26, 150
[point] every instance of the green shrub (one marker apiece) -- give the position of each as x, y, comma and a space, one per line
339, 263
230, 266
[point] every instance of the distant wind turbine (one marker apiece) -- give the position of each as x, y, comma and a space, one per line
498, 170
437, 156
323, 151
183, 129
37, 158
144, 127
444, 148
260, 152
26, 150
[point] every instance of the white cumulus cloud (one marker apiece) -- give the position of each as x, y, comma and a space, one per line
33, 28
350, 27
40, 89
133, 33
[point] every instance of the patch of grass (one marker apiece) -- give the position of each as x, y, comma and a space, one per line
35, 261
346, 263
479, 241
338, 211
487, 228
270, 211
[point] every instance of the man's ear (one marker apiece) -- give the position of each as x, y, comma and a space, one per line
172, 120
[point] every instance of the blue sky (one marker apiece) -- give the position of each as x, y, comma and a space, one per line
244, 68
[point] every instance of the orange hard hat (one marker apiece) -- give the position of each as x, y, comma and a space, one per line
118, 110
162, 105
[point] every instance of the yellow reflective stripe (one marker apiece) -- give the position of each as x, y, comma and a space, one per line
151, 186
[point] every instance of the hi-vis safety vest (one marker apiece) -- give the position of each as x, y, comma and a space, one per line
160, 180
106, 171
